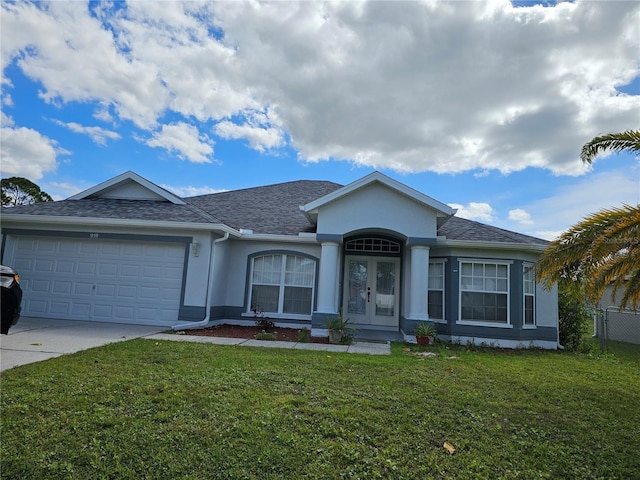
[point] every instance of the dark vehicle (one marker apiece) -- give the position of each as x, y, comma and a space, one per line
11, 298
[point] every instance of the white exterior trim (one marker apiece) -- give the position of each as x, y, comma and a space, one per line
134, 177
113, 222
383, 179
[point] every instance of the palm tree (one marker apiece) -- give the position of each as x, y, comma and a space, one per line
614, 142
604, 248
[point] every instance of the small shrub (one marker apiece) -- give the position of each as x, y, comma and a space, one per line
573, 314
424, 329
261, 321
304, 336
347, 338
265, 336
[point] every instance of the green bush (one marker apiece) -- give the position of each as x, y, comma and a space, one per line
265, 336
573, 314
304, 336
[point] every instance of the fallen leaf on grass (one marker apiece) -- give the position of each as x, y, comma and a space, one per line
449, 448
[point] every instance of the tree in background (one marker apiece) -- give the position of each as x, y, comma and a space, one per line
604, 248
20, 191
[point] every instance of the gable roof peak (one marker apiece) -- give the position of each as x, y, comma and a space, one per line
116, 187
442, 209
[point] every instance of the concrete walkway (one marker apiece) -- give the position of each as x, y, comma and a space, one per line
36, 339
357, 347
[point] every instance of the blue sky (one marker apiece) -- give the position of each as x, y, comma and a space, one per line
481, 105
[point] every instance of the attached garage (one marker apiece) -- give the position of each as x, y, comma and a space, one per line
107, 280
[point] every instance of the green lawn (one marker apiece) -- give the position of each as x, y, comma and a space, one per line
174, 410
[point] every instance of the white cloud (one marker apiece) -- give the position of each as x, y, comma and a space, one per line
76, 59
191, 191
520, 216
26, 153
98, 135
185, 141
411, 86
62, 190
571, 203
260, 138
7, 101
474, 211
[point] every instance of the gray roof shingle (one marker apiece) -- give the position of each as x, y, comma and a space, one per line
271, 209
456, 228
114, 208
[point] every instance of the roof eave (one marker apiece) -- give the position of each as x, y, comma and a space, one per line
11, 220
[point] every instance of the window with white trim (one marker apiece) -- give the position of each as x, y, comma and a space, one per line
282, 284
529, 292
436, 290
484, 292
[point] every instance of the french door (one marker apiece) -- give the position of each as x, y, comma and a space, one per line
371, 290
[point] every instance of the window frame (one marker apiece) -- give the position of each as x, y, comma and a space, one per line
281, 285
439, 261
507, 293
527, 269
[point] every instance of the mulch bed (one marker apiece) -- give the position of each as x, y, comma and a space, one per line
249, 332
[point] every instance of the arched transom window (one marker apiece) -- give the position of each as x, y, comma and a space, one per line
372, 245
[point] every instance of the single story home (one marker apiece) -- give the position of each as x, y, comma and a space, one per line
380, 252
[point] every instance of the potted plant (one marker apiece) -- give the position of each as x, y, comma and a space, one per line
423, 332
337, 327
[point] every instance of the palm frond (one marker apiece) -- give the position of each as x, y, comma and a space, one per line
602, 250
614, 142
631, 296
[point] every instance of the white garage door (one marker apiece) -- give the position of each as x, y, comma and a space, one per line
101, 280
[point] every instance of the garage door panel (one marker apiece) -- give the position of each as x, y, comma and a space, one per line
64, 266
86, 268
107, 269
132, 271
35, 307
46, 246
44, 266
127, 291
152, 271
83, 288
81, 310
61, 308
62, 287
41, 286
106, 290
102, 311
89, 248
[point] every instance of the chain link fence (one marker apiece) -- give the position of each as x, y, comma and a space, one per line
611, 323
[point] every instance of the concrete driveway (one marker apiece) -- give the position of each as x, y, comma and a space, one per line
36, 339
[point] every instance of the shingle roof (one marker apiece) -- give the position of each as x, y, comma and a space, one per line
457, 228
272, 209
114, 208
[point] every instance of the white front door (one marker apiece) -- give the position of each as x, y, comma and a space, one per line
371, 291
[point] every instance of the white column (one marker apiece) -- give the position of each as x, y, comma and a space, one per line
418, 289
328, 278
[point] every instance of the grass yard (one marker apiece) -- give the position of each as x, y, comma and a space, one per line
174, 410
